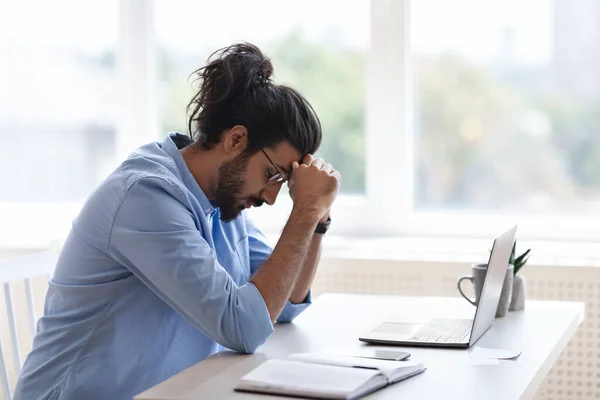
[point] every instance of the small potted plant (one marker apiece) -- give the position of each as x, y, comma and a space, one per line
517, 301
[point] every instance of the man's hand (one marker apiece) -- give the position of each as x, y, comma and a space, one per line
314, 186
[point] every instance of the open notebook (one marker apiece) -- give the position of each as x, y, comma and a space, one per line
324, 376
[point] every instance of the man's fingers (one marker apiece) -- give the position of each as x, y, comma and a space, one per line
290, 181
337, 175
328, 168
318, 162
307, 159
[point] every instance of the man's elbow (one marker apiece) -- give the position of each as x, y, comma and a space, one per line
247, 324
249, 345
248, 339
285, 319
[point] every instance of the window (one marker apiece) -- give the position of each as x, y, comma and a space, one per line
452, 122
57, 111
322, 54
57, 88
506, 104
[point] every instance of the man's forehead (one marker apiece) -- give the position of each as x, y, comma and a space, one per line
283, 155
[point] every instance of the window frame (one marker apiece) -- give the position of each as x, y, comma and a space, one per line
389, 210
384, 210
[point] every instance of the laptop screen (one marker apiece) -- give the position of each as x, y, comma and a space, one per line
492, 285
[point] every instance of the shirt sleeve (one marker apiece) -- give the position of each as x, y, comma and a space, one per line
154, 236
260, 250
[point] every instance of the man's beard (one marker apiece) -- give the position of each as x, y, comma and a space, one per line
229, 188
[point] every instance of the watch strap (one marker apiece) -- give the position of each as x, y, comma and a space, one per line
322, 227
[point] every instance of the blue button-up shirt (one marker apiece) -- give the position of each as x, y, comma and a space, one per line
149, 282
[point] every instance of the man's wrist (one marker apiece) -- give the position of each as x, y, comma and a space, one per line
304, 216
324, 219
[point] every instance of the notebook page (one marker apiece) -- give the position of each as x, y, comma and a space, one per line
393, 370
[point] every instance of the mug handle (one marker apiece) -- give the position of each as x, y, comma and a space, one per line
470, 278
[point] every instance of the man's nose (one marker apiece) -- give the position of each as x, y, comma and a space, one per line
270, 193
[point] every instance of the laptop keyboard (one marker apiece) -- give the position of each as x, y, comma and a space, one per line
444, 331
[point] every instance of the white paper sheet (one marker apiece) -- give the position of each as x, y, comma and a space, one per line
498, 354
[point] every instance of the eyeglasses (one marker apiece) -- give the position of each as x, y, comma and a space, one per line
279, 177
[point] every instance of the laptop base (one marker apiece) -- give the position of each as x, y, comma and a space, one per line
391, 342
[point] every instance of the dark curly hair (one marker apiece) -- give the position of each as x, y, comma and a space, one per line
236, 89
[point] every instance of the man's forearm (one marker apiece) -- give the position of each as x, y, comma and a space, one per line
309, 268
278, 275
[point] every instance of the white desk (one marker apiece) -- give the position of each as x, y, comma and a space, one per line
542, 331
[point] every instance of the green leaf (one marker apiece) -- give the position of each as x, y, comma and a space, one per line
517, 268
519, 259
511, 260
522, 260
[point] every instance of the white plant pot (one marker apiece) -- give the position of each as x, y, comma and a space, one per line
517, 301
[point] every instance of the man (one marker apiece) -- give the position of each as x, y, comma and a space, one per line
163, 266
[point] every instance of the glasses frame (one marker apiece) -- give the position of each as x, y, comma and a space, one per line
279, 177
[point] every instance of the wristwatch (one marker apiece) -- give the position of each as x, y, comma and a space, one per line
323, 226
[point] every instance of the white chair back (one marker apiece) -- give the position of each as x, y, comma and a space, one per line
23, 268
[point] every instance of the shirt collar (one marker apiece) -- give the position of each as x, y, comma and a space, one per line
171, 145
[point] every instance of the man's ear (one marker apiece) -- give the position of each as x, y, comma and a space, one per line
235, 140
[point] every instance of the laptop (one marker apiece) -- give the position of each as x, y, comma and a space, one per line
454, 333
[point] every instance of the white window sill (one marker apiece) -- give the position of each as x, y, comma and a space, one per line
27, 226
464, 250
